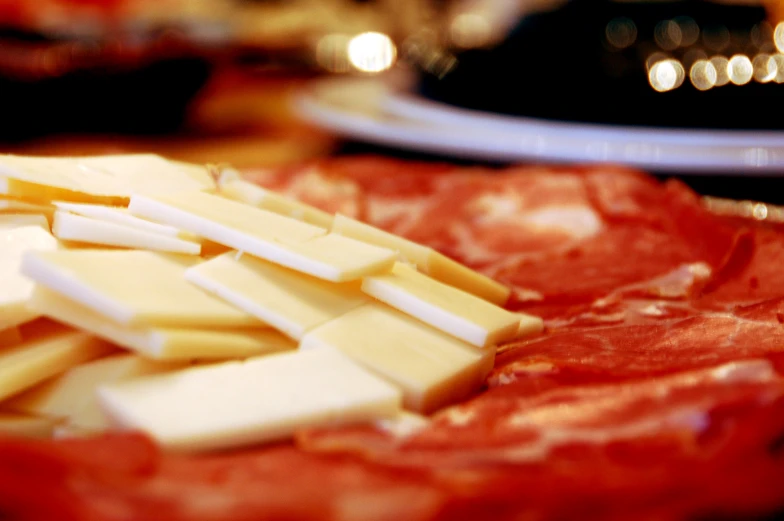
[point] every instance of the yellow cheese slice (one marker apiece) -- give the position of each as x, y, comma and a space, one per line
282, 240
240, 403
10, 336
428, 261
285, 299
133, 287
254, 195
71, 395
86, 230
432, 368
47, 351
26, 425
17, 220
12, 205
116, 214
444, 307
160, 342
15, 288
101, 179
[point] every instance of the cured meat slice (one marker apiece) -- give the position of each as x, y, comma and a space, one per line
656, 391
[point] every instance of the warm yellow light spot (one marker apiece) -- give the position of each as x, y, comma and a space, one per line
332, 52
765, 68
372, 52
621, 32
668, 35
469, 30
666, 75
778, 36
716, 37
759, 212
721, 64
779, 60
703, 75
690, 31
740, 69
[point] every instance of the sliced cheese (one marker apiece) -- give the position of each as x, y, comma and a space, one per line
161, 342
72, 227
117, 214
432, 368
426, 259
254, 195
10, 336
444, 307
241, 403
17, 220
108, 179
15, 288
133, 287
71, 395
46, 352
11, 205
529, 325
285, 299
282, 240
26, 425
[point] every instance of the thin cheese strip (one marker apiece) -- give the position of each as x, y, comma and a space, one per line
250, 402
288, 242
10, 336
285, 299
444, 307
133, 287
427, 260
15, 288
26, 426
71, 227
101, 179
10, 205
17, 220
159, 342
47, 352
117, 214
254, 195
433, 369
71, 395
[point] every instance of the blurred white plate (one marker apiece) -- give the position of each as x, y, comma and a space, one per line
375, 111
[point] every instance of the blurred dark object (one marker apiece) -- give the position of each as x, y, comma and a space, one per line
139, 86
595, 61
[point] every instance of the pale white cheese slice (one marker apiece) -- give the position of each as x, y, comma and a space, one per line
282, 240
285, 299
254, 195
17, 220
427, 260
444, 307
86, 230
240, 403
133, 287
26, 426
116, 214
47, 351
15, 288
433, 369
162, 343
10, 205
71, 395
110, 179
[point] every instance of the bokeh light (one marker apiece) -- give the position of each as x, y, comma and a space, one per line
372, 52
666, 75
740, 69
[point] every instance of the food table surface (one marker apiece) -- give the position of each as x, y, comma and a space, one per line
654, 392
